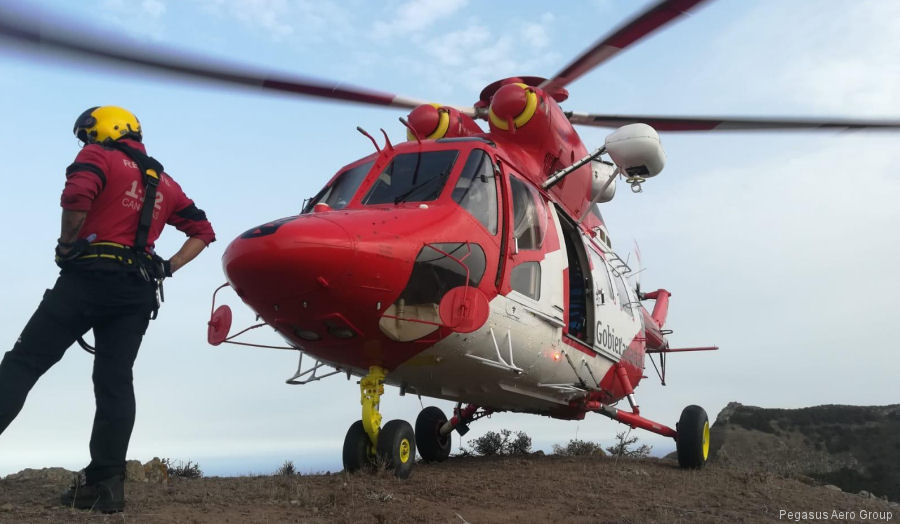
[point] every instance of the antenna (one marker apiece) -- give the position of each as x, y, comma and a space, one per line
366, 134
411, 130
387, 141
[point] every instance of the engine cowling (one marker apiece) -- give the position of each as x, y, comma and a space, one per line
512, 106
434, 121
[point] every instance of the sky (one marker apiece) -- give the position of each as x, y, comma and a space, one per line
779, 248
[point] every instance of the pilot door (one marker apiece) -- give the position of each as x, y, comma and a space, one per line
534, 258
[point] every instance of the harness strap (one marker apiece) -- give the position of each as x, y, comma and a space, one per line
114, 251
151, 170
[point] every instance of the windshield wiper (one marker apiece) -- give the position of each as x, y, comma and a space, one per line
402, 198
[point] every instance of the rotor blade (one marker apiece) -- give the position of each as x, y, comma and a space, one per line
665, 123
44, 34
605, 48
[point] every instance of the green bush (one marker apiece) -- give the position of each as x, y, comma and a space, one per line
502, 443
625, 447
287, 469
190, 470
578, 448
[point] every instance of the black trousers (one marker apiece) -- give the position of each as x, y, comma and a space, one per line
117, 305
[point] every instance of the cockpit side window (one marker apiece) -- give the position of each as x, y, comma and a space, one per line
529, 216
476, 190
338, 194
412, 177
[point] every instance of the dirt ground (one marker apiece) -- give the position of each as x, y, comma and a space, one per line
471, 490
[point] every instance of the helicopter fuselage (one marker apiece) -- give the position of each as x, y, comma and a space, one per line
358, 278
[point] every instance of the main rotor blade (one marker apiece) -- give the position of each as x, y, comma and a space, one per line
44, 34
605, 48
666, 123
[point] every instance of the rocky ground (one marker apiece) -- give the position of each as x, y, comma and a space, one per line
854, 447
499, 489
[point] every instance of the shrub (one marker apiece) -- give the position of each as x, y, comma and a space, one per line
624, 447
287, 469
503, 443
191, 470
578, 448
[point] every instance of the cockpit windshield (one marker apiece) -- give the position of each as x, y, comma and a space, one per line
338, 194
412, 177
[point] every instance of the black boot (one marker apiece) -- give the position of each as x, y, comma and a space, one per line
105, 496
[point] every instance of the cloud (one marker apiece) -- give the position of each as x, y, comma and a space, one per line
268, 15
477, 54
819, 66
301, 21
153, 8
415, 16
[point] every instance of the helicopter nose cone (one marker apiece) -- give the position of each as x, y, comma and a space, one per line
288, 257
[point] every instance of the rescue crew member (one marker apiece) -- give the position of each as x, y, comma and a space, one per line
115, 204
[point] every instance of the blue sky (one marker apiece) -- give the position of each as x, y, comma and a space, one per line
777, 247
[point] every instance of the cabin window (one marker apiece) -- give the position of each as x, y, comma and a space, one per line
624, 299
604, 283
439, 268
526, 279
476, 190
338, 194
412, 177
529, 218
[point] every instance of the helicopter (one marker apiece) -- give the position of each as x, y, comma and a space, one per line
471, 265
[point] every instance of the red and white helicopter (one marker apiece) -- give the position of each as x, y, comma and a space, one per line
465, 264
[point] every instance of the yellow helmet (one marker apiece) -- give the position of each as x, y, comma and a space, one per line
102, 123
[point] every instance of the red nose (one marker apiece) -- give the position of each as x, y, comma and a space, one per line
289, 258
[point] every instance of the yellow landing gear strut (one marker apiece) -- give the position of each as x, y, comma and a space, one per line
367, 442
371, 388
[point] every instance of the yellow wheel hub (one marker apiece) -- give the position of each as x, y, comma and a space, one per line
705, 441
404, 451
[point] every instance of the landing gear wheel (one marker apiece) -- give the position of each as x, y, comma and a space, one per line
357, 446
397, 447
433, 446
693, 438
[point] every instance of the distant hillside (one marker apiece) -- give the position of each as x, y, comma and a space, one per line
853, 447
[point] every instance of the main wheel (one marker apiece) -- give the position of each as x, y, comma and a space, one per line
433, 446
397, 447
357, 447
693, 438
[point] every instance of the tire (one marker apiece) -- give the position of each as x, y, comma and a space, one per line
397, 447
693, 438
431, 445
357, 447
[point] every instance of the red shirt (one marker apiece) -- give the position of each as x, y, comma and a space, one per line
108, 185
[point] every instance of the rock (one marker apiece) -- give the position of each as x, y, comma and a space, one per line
832, 487
134, 471
156, 472
6, 507
55, 475
846, 446
725, 415
866, 495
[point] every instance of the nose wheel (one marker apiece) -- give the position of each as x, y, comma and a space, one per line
397, 447
367, 442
